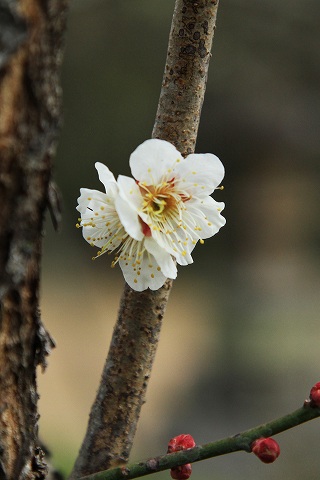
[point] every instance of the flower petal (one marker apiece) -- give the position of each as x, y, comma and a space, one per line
206, 213
199, 174
85, 198
154, 160
97, 237
212, 211
174, 233
163, 258
105, 176
146, 276
129, 218
130, 192
100, 222
185, 259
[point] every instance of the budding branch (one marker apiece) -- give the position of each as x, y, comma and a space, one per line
236, 443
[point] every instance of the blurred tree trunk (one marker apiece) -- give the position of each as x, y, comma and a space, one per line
31, 33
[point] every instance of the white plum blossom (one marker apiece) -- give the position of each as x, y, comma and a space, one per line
158, 216
171, 195
144, 264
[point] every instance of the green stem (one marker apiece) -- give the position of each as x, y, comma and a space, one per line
241, 441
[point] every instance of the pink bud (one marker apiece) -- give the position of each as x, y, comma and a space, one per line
315, 395
181, 442
266, 449
181, 473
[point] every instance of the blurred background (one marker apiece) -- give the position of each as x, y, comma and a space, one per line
242, 347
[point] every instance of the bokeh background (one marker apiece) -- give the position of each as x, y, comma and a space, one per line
240, 340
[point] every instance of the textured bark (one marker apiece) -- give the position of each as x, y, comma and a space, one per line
186, 73
30, 57
115, 412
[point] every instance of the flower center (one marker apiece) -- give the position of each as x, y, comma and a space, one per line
159, 199
166, 212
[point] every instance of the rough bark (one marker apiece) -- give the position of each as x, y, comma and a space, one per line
115, 412
30, 56
186, 72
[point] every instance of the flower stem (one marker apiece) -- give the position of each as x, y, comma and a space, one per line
241, 441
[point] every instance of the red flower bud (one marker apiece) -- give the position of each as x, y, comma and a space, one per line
266, 449
181, 473
181, 442
315, 395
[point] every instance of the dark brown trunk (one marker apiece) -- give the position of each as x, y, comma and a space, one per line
30, 57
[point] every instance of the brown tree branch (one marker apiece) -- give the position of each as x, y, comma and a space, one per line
115, 412
30, 57
186, 72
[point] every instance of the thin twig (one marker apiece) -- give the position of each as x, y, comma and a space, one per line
241, 441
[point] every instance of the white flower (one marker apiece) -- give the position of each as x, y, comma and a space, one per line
143, 262
160, 215
171, 196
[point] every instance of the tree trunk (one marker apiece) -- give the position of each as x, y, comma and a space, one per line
30, 56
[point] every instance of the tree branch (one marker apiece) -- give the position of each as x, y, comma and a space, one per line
241, 441
115, 412
186, 72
